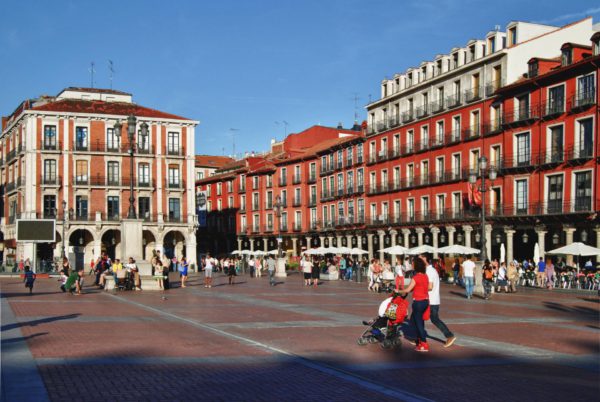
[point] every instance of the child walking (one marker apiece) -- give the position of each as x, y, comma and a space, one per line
29, 279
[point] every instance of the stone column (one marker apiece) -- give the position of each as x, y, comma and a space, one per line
97, 249
239, 241
541, 234
393, 234
451, 230
370, 245
321, 241
295, 245
338, 241
265, 245
381, 234
252, 245
330, 240
420, 232
488, 240
406, 235
434, 234
349, 241
510, 233
190, 251
359, 242
569, 230
467, 229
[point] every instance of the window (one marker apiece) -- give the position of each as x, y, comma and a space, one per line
143, 175
313, 171
522, 108
340, 159
359, 153
397, 210
350, 181
373, 182
81, 172
439, 168
491, 45
144, 207
255, 183
50, 171
269, 201
475, 120
424, 137
349, 156
340, 183
242, 203
331, 186
297, 197
81, 207
112, 208
584, 141
360, 179
410, 174
49, 137
456, 166
583, 191
411, 209
567, 57
270, 222
361, 210
533, 69
521, 195
174, 210
439, 133
441, 205
456, 128
586, 91
81, 138
256, 223
219, 188
173, 177
341, 212
410, 140
112, 140
555, 194
173, 143
555, 149
556, 100
50, 206
523, 150
230, 185
512, 36
255, 202
284, 198
298, 220
112, 171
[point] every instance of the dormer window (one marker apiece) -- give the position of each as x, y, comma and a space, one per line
472, 53
533, 69
410, 79
567, 57
596, 47
455, 60
512, 36
439, 67
424, 73
492, 45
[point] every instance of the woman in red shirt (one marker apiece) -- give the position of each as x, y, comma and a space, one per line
419, 285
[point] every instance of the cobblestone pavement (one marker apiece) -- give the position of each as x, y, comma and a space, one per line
253, 342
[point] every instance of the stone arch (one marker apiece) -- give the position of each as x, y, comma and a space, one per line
111, 243
174, 243
149, 243
81, 250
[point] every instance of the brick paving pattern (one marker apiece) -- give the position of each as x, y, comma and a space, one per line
253, 342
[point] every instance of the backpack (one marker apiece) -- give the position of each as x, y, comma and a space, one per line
488, 274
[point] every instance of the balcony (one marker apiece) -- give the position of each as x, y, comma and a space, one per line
255, 229
423, 180
437, 107
312, 201
268, 228
51, 146
282, 182
297, 179
325, 170
255, 207
85, 217
10, 187
51, 180
471, 133
113, 181
583, 99
422, 111
380, 220
297, 227
553, 156
326, 195
394, 151
360, 189
269, 184
436, 142
172, 151
553, 108
407, 116
492, 87
454, 137
149, 150
283, 227
394, 121
312, 178
241, 189
580, 152
11, 155
359, 159
492, 127
453, 101
175, 185
382, 155
381, 126
242, 209
473, 94
269, 205
297, 202
243, 230
423, 145
521, 116
407, 149
314, 225
81, 146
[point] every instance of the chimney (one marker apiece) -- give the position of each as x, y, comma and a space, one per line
339, 126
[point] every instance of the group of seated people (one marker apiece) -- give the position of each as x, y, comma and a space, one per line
126, 276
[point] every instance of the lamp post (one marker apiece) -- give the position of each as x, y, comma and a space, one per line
64, 206
278, 214
491, 172
131, 125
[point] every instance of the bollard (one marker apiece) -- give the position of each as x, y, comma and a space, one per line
358, 272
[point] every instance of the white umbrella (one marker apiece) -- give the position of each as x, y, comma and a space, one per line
344, 250
358, 251
331, 250
536, 253
273, 252
395, 250
236, 252
258, 252
423, 249
317, 251
577, 249
246, 252
502, 253
458, 249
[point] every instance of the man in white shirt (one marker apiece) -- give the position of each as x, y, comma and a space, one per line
208, 270
434, 302
251, 265
469, 276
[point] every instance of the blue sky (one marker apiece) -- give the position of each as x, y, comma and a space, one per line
245, 65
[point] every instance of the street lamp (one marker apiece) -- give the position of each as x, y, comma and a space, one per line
278, 206
131, 125
491, 172
64, 205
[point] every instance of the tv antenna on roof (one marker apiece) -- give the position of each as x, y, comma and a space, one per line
356, 99
285, 125
92, 70
111, 69
233, 130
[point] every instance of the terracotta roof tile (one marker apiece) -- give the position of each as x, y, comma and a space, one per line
213, 161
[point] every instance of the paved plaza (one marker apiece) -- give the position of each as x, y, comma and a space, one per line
252, 342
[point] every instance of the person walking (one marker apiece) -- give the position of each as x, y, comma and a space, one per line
513, 276
158, 273
307, 266
29, 278
419, 286
315, 274
549, 274
468, 276
541, 272
456, 272
271, 270
252, 266
183, 267
258, 267
434, 304
488, 279
502, 278
208, 271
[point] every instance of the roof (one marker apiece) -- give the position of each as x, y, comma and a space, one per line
101, 107
212, 161
96, 90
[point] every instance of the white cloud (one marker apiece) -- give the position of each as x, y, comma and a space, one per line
572, 16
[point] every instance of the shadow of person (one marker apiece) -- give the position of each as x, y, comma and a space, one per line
33, 323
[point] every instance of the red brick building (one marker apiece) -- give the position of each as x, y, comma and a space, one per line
526, 100
65, 148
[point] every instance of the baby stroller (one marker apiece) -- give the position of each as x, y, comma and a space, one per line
385, 328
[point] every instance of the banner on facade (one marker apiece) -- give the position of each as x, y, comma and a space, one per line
201, 207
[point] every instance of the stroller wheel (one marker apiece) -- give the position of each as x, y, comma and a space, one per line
397, 342
387, 344
362, 341
372, 339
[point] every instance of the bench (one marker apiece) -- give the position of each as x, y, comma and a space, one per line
148, 283
333, 276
